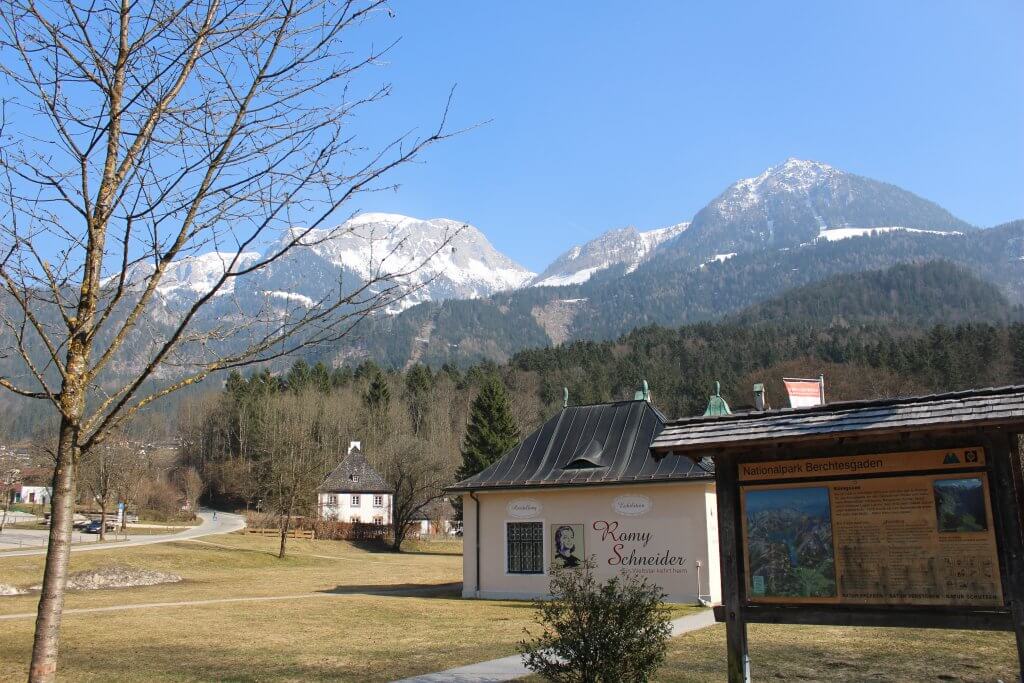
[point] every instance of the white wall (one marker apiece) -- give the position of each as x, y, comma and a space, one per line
677, 522
343, 509
42, 494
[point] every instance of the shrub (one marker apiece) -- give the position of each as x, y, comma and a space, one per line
593, 632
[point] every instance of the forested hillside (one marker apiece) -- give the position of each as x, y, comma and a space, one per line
922, 294
908, 329
424, 412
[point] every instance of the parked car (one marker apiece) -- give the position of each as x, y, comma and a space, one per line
94, 526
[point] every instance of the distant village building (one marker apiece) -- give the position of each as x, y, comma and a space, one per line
33, 487
437, 518
585, 484
355, 492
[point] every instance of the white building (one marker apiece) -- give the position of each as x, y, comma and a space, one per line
355, 492
437, 518
32, 486
585, 485
38, 495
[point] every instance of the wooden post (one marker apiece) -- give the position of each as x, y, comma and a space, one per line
1005, 457
733, 591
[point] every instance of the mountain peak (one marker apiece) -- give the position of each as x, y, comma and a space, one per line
626, 246
791, 203
792, 175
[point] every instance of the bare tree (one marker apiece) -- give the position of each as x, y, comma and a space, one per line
133, 136
98, 472
8, 480
132, 477
291, 465
191, 486
418, 477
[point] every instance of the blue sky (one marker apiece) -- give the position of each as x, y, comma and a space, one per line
610, 114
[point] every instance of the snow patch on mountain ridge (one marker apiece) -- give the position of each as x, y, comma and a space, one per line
626, 246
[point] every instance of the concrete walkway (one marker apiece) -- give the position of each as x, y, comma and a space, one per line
511, 668
225, 523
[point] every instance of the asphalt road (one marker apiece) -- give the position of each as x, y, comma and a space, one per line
225, 523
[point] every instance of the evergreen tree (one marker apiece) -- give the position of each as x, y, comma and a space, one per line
418, 384
377, 400
320, 378
378, 396
235, 384
1017, 350
341, 377
299, 377
491, 431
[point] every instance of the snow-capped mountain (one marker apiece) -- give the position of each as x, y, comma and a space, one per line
792, 203
433, 260
453, 256
626, 246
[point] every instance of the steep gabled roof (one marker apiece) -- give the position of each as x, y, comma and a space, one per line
607, 443
354, 475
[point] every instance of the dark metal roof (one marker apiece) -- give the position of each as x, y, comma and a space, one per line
354, 475
980, 407
606, 443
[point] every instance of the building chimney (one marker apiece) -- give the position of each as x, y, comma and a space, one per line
760, 402
355, 446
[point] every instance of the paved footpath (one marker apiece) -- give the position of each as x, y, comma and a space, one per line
225, 523
511, 668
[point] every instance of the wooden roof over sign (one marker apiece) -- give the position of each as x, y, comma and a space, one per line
981, 407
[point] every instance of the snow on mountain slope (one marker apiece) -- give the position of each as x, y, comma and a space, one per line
431, 260
791, 203
197, 275
833, 234
375, 243
626, 246
438, 258
189, 277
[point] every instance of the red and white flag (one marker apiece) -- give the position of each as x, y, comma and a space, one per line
805, 392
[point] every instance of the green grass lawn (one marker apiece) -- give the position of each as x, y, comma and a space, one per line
333, 628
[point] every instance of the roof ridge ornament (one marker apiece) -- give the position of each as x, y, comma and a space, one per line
643, 394
717, 404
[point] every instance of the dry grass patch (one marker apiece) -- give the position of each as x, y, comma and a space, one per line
333, 637
848, 655
238, 565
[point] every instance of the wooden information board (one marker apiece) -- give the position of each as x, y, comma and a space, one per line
911, 529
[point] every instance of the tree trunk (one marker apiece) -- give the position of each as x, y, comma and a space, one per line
51, 599
103, 521
285, 523
398, 531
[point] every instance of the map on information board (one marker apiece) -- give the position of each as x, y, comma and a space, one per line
908, 531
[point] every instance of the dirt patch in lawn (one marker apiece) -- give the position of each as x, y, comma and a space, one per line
6, 589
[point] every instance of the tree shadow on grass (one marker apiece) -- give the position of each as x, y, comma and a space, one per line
417, 590
441, 553
378, 546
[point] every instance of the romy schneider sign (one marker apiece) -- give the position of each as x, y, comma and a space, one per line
894, 529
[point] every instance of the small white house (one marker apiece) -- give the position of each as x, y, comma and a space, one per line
355, 492
38, 495
33, 487
435, 519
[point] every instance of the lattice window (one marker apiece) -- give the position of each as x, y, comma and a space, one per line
525, 547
